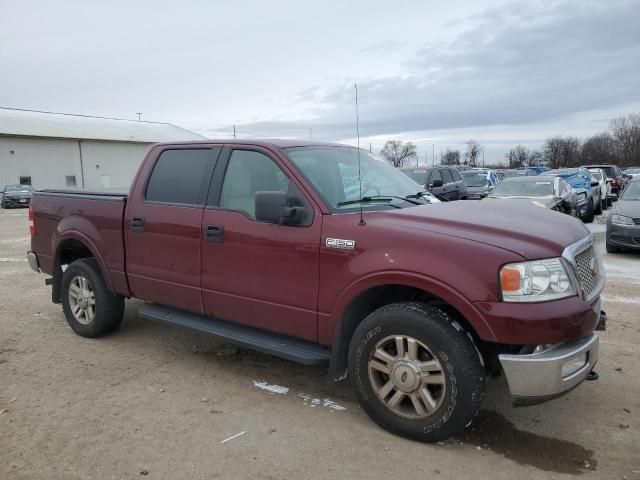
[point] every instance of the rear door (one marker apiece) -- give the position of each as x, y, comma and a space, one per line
256, 273
163, 225
449, 187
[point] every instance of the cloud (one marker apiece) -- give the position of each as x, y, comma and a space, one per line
524, 62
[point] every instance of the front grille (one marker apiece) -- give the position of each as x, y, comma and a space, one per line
588, 270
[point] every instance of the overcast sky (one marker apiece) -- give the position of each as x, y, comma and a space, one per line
433, 72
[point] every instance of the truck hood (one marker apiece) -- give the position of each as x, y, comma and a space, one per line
515, 225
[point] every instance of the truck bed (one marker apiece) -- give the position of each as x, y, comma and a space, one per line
97, 217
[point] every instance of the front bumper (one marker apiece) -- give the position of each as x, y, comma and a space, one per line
623, 236
539, 377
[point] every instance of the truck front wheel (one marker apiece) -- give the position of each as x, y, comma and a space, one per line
90, 308
416, 372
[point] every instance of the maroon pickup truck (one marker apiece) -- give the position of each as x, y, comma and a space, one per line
320, 253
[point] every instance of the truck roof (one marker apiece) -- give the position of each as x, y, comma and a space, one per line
265, 142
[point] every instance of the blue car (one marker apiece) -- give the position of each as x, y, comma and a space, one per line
587, 190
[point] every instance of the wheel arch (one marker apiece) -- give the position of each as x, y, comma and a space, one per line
359, 301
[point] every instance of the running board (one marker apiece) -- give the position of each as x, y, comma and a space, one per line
301, 351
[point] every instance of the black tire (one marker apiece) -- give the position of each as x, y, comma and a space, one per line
598, 207
589, 216
463, 391
603, 204
611, 248
109, 307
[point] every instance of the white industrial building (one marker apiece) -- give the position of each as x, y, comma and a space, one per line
53, 150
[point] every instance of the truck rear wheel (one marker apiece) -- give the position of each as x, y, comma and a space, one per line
90, 308
416, 372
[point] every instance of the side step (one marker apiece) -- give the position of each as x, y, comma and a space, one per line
301, 351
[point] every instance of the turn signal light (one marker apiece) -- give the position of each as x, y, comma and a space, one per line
510, 279
32, 224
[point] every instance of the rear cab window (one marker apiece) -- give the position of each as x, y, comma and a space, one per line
180, 176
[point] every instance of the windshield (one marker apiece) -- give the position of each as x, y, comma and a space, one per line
524, 189
632, 192
18, 188
333, 171
417, 176
475, 179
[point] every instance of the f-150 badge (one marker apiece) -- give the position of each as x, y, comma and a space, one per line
341, 244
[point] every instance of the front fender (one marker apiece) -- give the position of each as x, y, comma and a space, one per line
428, 284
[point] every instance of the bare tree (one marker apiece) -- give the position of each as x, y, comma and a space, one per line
599, 148
536, 159
397, 153
472, 154
451, 157
562, 152
518, 156
626, 133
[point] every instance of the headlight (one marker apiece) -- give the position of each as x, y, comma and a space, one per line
536, 281
621, 220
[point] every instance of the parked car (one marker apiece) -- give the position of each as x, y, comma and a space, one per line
255, 242
16, 196
623, 222
479, 183
512, 172
587, 190
536, 170
442, 181
618, 180
606, 197
632, 171
550, 192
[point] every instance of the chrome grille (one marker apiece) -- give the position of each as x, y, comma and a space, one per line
588, 270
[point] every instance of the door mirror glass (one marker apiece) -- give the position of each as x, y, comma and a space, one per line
274, 207
594, 183
436, 183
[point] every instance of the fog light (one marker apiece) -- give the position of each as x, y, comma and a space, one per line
573, 365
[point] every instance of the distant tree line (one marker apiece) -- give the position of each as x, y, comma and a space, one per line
619, 145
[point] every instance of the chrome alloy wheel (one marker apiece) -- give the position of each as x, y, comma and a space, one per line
407, 378
82, 300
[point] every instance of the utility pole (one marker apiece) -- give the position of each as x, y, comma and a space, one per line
433, 157
483, 158
234, 131
139, 116
370, 150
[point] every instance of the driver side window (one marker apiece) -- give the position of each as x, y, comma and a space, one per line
249, 172
436, 176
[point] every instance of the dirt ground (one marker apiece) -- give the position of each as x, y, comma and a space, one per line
152, 401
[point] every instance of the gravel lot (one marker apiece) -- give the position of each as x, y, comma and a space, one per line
151, 401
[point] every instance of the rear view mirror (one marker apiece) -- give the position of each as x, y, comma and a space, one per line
436, 183
274, 207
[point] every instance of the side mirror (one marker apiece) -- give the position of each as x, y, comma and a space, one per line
273, 207
436, 183
594, 183
609, 180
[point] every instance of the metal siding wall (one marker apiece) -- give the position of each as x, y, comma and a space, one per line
46, 161
120, 161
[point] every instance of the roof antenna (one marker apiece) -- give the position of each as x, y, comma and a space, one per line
361, 222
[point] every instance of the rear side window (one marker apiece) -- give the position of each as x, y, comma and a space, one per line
446, 176
456, 176
177, 176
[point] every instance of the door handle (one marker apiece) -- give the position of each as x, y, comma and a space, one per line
137, 224
214, 233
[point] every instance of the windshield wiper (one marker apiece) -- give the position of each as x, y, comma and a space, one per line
373, 198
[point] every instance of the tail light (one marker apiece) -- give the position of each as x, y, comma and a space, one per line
614, 182
32, 224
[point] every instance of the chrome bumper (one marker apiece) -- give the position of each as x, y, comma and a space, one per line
538, 377
33, 261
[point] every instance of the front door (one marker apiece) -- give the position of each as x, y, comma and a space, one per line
163, 225
260, 274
